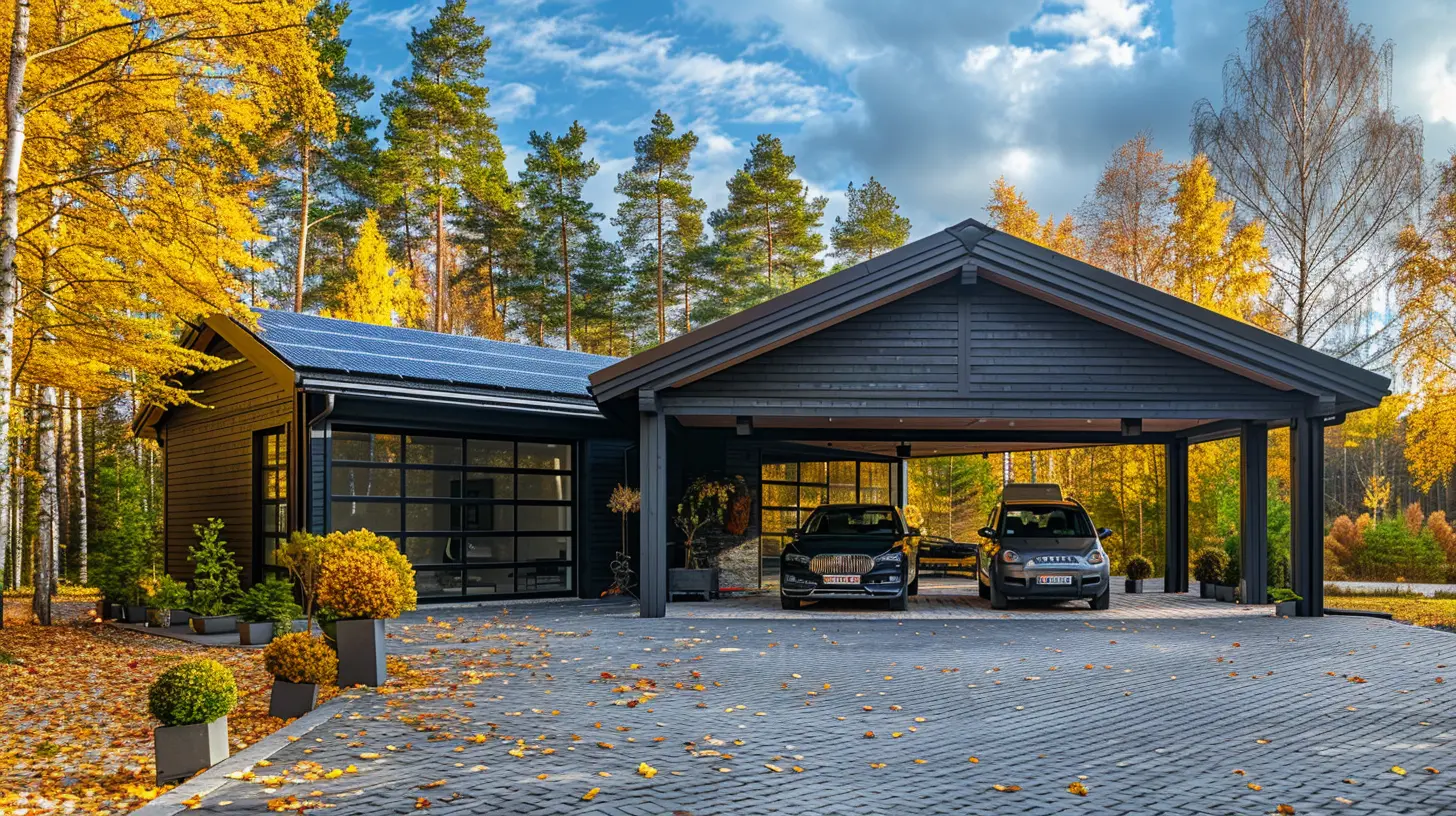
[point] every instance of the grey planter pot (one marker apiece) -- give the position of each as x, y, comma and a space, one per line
134, 614
702, 582
255, 634
1133, 587
214, 625
183, 750
361, 652
291, 700
1206, 590
180, 617
103, 609
114, 611
1223, 593
1284, 609
159, 618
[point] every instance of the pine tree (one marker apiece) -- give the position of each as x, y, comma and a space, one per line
658, 217
603, 281
562, 221
873, 225
376, 291
440, 134
768, 232
1213, 267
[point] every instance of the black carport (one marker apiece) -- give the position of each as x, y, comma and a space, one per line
978, 341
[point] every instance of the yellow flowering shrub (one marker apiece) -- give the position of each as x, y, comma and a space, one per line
386, 548
301, 658
360, 583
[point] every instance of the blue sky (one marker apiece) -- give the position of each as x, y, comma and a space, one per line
935, 98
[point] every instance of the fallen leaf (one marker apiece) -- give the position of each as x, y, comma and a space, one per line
1007, 788
590, 795
1077, 788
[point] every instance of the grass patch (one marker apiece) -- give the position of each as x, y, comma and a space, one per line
1338, 591
6, 659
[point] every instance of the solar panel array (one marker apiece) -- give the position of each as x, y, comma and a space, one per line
361, 349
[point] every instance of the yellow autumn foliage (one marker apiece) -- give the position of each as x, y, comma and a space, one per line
359, 584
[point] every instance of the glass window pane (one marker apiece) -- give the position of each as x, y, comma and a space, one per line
280, 490
364, 481
490, 548
811, 496
436, 484
777, 521
376, 516
544, 455
874, 474
437, 583
841, 478
488, 517
432, 450
420, 517
432, 550
354, 446
540, 486
490, 453
490, 485
490, 581
547, 548
874, 495
544, 578
780, 495
781, 472
816, 472
543, 518
841, 495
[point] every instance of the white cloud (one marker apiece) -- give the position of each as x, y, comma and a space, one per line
509, 101
402, 19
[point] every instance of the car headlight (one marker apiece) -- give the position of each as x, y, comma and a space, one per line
796, 558
1096, 557
1010, 556
892, 557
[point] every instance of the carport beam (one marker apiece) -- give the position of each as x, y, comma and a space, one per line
654, 507
1175, 565
1307, 514
1254, 512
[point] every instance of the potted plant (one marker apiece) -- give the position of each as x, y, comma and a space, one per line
702, 509
166, 598
299, 663
364, 581
216, 581
1228, 585
264, 611
303, 556
192, 701
1284, 600
1209, 564
1139, 569
624, 501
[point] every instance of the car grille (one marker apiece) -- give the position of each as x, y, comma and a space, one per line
841, 564
1057, 559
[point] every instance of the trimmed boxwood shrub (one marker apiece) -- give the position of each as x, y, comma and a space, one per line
194, 692
1209, 564
301, 658
1139, 568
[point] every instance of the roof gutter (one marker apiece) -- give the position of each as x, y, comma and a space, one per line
584, 409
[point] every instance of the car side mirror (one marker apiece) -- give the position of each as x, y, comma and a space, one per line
1103, 533
986, 532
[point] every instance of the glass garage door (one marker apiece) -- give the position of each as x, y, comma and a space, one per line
791, 491
475, 516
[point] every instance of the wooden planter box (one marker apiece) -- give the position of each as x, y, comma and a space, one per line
1133, 586
255, 634
183, 750
291, 700
361, 652
214, 625
703, 582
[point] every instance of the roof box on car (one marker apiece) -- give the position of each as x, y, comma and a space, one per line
1031, 492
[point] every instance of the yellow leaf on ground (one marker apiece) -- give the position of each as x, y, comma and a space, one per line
1285, 810
1398, 771
590, 795
1007, 788
1077, 788
646, 770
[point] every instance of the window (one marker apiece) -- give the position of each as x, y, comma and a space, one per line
791, 491
1046, 521
474, 516
270, 485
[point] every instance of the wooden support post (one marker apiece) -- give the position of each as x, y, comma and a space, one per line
653, 458
1175, 567
1307, 514
1254, 512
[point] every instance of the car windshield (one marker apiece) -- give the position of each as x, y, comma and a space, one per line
852, 521
1045, 521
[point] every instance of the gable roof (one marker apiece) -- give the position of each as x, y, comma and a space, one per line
974, 247
320, 345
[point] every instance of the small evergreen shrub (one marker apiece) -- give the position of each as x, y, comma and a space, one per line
1209, 564
1281, 594
1231, 570
301, 658
194, 692
1139, 568
217, 578
168, 593
270, 601
356, 583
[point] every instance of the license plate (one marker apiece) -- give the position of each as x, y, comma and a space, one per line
841, 579
1064, 580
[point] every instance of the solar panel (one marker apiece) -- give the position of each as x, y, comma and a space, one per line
362, 349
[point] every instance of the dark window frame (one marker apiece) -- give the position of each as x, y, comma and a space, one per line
263, 503
768, 564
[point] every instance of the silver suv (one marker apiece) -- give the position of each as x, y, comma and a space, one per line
1040, 545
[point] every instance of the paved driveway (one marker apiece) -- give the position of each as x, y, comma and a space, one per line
826, 714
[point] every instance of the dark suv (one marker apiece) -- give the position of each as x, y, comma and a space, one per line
1039, 545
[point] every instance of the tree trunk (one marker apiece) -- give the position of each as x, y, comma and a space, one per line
661, 290
78, 448
10, 224
768, 230
63, 481
45, 565
565, 261
440, 293
298, 274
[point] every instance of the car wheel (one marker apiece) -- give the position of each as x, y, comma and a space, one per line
998, 598
1102, 601
900, 602
789, 603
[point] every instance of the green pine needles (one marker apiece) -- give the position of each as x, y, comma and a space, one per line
217, 577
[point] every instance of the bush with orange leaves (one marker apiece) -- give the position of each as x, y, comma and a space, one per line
358, 583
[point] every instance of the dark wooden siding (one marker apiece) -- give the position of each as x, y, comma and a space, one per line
209, 456
979, 351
